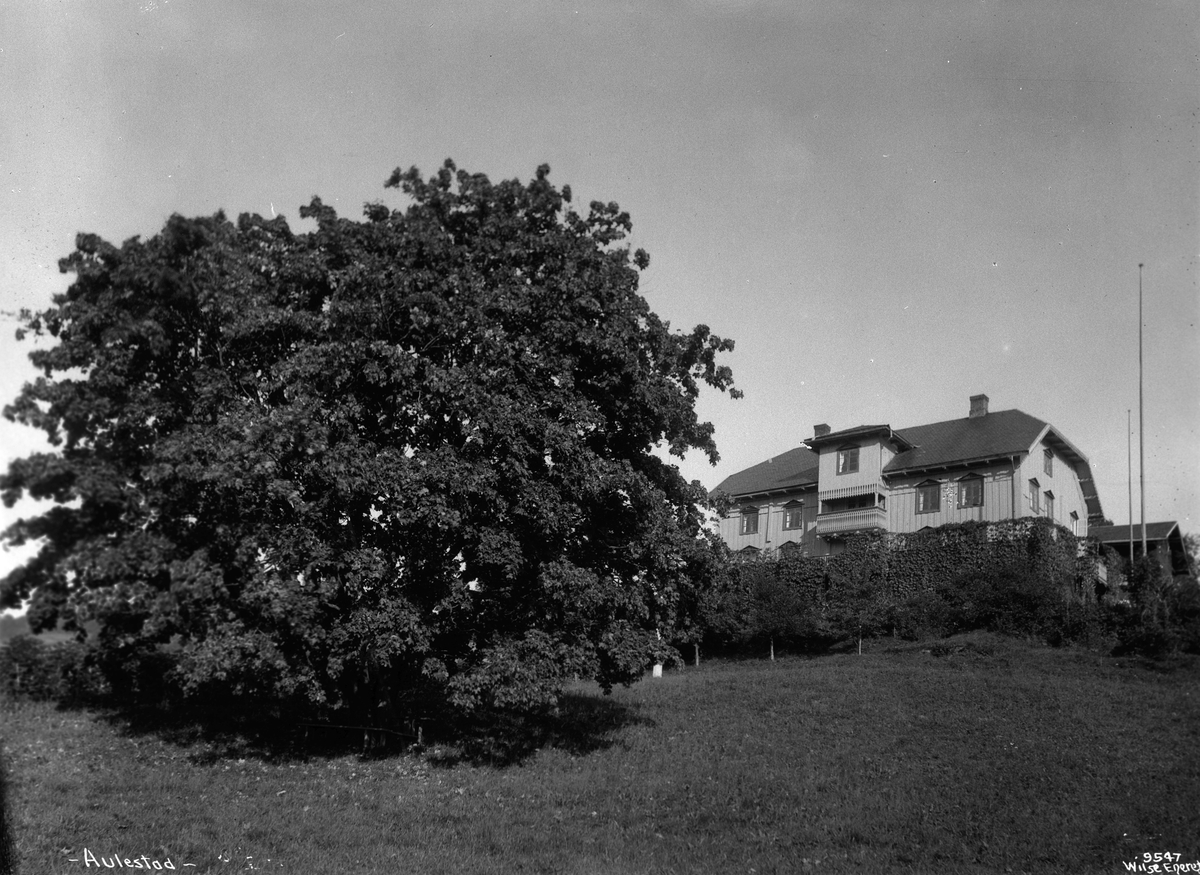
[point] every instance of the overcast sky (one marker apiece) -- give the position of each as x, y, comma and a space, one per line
890, 207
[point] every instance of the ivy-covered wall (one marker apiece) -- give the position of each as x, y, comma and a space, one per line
909, 564
1025, 576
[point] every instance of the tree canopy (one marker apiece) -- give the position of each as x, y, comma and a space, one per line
407, 455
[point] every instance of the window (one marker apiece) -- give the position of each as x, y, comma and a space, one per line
1035, 494
1048, 463
793, 515
791, 548
749, 520
748, 552
929, 497
1049, 504
970, 491
847, 460
1074, 523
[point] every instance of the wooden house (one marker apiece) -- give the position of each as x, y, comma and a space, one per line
988, 466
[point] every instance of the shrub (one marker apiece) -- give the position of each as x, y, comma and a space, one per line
1163, 616
1074, 622
923, 614
32, 670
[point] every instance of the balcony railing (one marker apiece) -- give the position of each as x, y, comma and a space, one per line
851, 520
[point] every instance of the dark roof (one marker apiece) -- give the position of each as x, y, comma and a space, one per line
1003, 433
794, 469
1120, 534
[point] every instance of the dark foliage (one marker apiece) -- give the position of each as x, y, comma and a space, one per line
31, 670
1163, 613
385, 462
1022, 578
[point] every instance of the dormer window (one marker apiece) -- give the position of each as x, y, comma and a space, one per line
847, 460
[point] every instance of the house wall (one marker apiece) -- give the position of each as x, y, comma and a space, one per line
870, 464
997, 499
771, 534
1005, 496
1063, 482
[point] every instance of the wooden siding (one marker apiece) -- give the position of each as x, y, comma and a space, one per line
870, 464
1063, 482
771, 534
902, 499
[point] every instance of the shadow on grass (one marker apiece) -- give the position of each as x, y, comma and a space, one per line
583, 723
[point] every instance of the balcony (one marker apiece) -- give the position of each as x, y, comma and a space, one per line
846, 521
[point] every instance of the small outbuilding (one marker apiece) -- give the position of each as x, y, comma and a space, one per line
1164, 541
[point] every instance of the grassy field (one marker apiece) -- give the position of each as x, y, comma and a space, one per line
991, 756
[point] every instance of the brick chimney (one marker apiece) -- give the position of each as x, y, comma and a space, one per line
821, 430
979, 405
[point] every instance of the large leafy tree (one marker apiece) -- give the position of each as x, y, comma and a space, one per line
409, 454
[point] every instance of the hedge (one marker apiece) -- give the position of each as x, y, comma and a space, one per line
1026, 576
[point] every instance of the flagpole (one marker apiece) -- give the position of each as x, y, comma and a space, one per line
1141, 415
1129, 460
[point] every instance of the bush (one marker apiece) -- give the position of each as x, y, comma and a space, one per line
1163, 616
924, 614
135, 675
1011, 600
1075, 622
1019, 604
32, 670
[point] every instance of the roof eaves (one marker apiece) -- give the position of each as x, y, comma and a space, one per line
767, 493
1070, 447
858, 431
952, 463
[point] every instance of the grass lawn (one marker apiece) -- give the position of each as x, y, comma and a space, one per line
997, 756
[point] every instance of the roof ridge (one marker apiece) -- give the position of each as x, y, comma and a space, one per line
989, 415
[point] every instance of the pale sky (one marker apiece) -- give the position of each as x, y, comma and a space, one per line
889, 207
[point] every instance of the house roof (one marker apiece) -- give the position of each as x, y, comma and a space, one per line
794, 469
1120, 534
953, 443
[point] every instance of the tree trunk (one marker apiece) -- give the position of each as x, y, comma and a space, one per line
772, 648
696, 653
